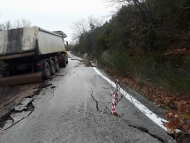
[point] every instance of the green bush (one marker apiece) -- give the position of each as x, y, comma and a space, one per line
137, 39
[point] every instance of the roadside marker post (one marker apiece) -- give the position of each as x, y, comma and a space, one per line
147, 112
114, 95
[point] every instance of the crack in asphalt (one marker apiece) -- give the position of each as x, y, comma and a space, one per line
30, 107
97, 108
136, 111
53, 89
118, 100
5, 118
139, 128
106, 108
146, 131
92, 116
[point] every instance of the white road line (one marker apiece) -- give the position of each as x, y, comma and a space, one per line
156, 119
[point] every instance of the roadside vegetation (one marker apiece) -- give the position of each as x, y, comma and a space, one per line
146, 44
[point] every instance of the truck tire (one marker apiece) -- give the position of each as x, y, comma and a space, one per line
63, 63
56, 65
6, 71
5, 75
52, 67
47, 70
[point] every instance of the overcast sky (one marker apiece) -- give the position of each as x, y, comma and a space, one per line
53, 14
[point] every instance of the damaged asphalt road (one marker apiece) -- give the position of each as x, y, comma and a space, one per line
76, 108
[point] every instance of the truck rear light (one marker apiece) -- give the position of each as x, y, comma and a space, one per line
60, 58
38, 64
3, 69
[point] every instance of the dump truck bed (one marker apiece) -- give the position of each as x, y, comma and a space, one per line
28, 41
16, 41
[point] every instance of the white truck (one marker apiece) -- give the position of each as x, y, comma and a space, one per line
31, 50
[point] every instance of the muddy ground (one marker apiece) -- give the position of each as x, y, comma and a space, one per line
12, 95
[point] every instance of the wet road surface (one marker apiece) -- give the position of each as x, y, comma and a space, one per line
76, 109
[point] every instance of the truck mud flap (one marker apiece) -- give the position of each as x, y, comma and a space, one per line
21, 79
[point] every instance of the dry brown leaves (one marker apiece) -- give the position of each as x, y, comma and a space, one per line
179, 103
109, 71
161, 97
176, 51
177, 121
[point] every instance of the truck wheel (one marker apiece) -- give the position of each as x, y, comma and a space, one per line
5, 70
63, 63
56, 65
47, 71
5, 75
52, 67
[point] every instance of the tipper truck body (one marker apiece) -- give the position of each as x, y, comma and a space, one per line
31, 52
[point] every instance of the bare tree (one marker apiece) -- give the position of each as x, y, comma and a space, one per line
2, 27
79, 28
25, 23
119, 3
22, 23
94, 22
6, 25
17, 24
83, 26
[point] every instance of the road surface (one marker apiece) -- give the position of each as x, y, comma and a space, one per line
75, 108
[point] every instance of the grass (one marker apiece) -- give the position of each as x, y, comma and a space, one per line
186, 116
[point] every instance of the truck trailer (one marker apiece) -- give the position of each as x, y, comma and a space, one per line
31, 53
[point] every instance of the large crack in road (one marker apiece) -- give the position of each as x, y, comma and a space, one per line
142, 129
97, 108
146, 131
